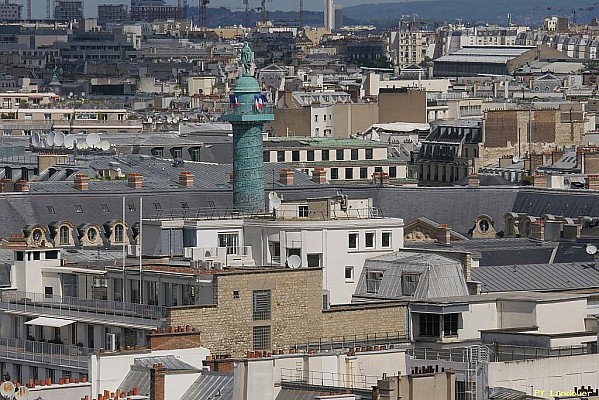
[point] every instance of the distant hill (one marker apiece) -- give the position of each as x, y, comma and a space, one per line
530, 12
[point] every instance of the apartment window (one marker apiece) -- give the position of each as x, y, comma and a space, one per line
235, 294
261, 337
339, 154
280, 156
354, 154
392, 172
303, 211
429, 325
450, 324
363, 173
295, 155
325, 155
316, 118
119, 233
460, 390
261, 305
353, 240
310, 155
177, 153
230, 241
368, 154
386, 239
64, 233
334, 173
409, 282
373, 281
275, 251
266, 156
369, 240
314, 260
48, 292
157, 152
349, 274
349, 173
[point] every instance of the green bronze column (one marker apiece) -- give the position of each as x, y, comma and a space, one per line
247, 113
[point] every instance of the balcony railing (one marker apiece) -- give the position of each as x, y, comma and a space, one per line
49, 354
248, 109
220, 254
110, 312
327, 379
385, 340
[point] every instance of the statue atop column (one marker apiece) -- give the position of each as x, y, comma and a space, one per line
246, 58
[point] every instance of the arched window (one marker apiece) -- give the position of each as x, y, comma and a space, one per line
119, 233
63, 236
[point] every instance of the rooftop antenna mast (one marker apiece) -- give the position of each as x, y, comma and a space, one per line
29, 10
263, 12
247, 12
48, 9
301, 14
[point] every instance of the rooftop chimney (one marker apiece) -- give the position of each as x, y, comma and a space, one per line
444, 234
473, 180
22, 186
592, 182
539, 180
81, 182
319, 175
6, 185
135, 180
537, 231
157, 382
186, 179
381, 178
286, 176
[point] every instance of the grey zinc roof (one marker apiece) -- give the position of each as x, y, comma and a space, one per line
440, 276
139, 375
297, 394
563, 203
211, 385
537, 277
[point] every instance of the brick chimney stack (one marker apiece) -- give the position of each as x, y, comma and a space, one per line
186, 179
473, 180
135, 181
81, 182
22, 186
157, 382
286, 176
537, 231
539, 180
319, 175
444, 234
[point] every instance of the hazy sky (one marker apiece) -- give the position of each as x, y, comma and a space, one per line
39, 6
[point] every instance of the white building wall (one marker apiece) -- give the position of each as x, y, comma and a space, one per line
565, 316
175, 385
553, 373
480, 316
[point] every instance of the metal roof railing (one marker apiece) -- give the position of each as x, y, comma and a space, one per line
49, 354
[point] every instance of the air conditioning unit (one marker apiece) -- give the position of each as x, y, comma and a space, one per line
110, 342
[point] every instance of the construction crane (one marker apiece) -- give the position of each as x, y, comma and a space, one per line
247, 12
203, 4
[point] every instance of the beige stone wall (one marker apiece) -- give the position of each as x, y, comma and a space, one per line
365, 319
296, 312
402, 106
291, 121
353, 118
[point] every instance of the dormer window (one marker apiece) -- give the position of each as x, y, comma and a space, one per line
92, 234
37, 236
64, 235
119, 233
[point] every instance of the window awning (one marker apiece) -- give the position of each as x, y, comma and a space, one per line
52, 322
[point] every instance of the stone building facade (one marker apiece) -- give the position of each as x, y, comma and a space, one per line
271, 309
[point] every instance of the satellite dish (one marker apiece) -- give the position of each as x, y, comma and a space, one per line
294, 261
105, 145
69, 141
59, 139
591, 249
275, 202
93, 139
82, 145
515, 159
7, 389
35, 139
150, 119
22, 393
50, 138
169, 120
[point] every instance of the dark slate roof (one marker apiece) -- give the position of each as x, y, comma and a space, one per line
297, 394
211, 385
440, 276
487, 180
565, 203
537, 277
139, 375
